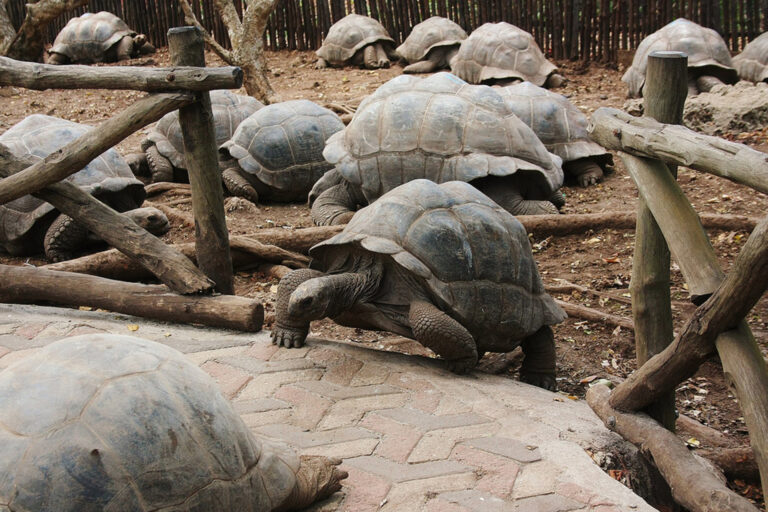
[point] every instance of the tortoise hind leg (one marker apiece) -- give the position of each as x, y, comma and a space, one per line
445, 336
124, 49
238, 186
335, 205
422, 66
160, 167
317, 478
505, 193
586, 171
64, 238
539, 364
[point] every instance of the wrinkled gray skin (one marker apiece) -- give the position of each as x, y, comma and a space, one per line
358, 41
109, 422
441, 264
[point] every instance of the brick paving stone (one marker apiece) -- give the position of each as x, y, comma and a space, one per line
7, 328
14, 342
498, 473
257, 367
536, 478
437, 444
399, 473
476, 501
350, 442
345, 450
4, 351
340, 368
336, 392
263, 386
606, 508
262, 351
254, 420
82, 330
506, 447
547, 503
351, 410
450, 405
308, 408
427, 422
404, 495
365, 491
439, 505
30, 330
199, 358
424, 395
230, 380
575, 492
16, 355
259, 405
370, 374
290, 353
398, 439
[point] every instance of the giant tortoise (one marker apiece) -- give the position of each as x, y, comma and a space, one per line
431, 45
106, 422
752, 62
356, 40
441, 264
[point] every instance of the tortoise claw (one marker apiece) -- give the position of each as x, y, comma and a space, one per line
288, 337
542, 380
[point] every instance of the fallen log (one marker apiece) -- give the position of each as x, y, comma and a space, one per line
737, 463
692, 484
566, 286
594, 315
38, 285
275, 271
166, 186
186, 219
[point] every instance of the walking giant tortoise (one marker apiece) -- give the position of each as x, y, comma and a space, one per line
441, 264
431, 45
752, 62
105, 422
356, 40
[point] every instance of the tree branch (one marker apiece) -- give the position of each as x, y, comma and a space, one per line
191, 19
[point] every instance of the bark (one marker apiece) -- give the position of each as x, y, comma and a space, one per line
736, 463
594, 315
7, 32
28, 42
160, 187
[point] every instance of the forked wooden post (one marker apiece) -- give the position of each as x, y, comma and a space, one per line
664, 92
211, 238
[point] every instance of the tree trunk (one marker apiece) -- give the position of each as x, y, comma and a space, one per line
28, 42
7, 32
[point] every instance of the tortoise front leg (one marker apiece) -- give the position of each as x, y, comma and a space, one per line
422, 66
370, 57
445, 336
586, 171
382, 60
159, 166
317, 478
125, 48
238, 186
335, 205
539, 364
289, 332
64, 238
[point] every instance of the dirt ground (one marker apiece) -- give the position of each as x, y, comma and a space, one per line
599, 261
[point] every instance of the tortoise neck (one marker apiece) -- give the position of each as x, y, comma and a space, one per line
350, 288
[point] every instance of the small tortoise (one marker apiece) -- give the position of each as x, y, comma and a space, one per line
97, 37
561, 127
29, 225
277, 153
110, 422
441, 264
500, 53
439, 128
752, 62
163, 149
357, 40
709, 60
431, 45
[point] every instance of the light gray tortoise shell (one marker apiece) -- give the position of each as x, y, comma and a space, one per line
349, 35
442, 129
282, 144
556, 121
704, 47
107, 178
229, 110
110, 422
434, 32
88, 37
752, 62
474, 256
496, 51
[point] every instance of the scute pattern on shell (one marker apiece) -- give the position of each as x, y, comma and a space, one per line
704, 47
752, 62
350, 34
88, 37
429, 34
439, 128
501, 51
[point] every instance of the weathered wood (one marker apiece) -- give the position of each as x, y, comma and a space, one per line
693, 485
38, 285
186, 219
737, 463
187, 48
48, 76
74, 156
594, 315
160, 187
28, 42
170, 267
275, 271
641, 136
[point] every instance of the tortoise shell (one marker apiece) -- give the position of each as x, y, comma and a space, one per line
349, 35
706, 50
442, 129
110, 422
499, 51
282, 144
431, 33
88, 37
108, 178
752, 62
473, 256
229, 110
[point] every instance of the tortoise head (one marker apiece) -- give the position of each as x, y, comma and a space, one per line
151, 219
311, 300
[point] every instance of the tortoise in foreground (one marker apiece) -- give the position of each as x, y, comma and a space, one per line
29, 225
111, 422
163, 149
97, 37
358, 41
442, 129
752, 62
561, 127
277, 152
431, 45
501, 53
441, 264
709, 60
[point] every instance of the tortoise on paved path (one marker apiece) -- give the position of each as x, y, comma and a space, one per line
752, 62
441, 264
108, 422
97, 37
431, 45
358, 41
439, 128
500, 53
277, 152
709, 60
561, 127
29, 225
163, 149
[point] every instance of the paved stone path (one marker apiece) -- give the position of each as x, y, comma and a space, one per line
413, 436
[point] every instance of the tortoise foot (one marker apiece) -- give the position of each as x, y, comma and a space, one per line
317, 478
288, 337
542, 380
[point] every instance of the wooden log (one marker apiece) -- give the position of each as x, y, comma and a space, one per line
693, 485
187, 48
72, 157
154, 189
48, 76
35, 285
641, 136
170, 267
594, 315
737, 463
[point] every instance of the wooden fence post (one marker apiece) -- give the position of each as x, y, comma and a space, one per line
666, 85
211, 238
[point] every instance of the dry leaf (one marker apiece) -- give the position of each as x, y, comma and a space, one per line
133, 327
587, 380
85, 308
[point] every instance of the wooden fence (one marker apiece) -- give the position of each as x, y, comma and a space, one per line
565, 29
